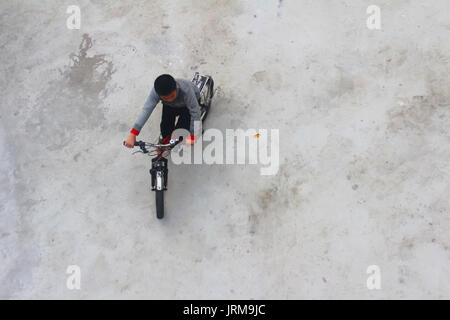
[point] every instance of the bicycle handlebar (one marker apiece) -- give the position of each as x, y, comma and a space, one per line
143, 144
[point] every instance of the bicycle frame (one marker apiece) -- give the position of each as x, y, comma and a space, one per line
159, 173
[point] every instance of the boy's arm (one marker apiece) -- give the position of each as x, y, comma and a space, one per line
149, 106
195, 111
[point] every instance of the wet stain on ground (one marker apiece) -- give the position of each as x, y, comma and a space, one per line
270, 204
88, 75
75, 99
415, 114
265, 199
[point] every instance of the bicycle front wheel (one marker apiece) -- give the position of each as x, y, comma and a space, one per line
159, 194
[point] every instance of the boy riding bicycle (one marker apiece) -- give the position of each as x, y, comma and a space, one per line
180, 98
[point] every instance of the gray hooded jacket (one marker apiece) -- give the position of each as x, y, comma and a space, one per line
188, 95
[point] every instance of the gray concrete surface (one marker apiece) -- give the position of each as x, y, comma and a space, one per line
364, 149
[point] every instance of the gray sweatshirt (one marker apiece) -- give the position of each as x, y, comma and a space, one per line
188, 95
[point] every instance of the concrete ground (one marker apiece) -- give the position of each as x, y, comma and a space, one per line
363, 118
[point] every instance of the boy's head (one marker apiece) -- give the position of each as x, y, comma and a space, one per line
166, 87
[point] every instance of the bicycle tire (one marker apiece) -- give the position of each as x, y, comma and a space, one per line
211, 86
159, 197
211, 94
206, 113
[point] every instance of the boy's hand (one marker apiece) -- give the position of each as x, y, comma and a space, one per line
130, 141
190, 140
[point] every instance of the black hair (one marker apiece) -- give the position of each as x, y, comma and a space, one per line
165, 84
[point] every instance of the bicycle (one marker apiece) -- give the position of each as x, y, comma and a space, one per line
159, 171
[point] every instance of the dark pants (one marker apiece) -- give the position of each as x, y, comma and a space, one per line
169, 115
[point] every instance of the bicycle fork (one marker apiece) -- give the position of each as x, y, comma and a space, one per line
159, 173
